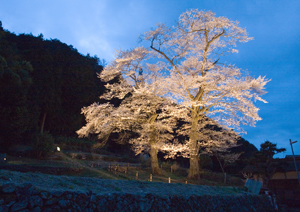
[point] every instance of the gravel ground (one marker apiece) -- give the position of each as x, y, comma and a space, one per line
103, 186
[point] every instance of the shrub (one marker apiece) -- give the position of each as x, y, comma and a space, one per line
205, 162
73, 143
42, 144
175, 167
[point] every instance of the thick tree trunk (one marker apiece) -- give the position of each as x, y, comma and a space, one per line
194, 167
153, 149
154, 160
194, 157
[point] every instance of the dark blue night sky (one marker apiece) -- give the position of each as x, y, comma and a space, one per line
98, 27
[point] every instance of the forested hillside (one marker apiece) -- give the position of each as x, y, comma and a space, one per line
44, 84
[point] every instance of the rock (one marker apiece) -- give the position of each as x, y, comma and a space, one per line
57, 193
8, 188
11, 203
64, 203
75, 207
27, 185
19, 206
35, 201
46, 195
23, 194
51, 201
88, 210
75, 195
93, 199
4, 208
47, 210
82, 200
36, 209
67, 195
56, 208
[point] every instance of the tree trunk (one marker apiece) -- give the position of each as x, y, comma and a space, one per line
222, 168
194, 167
194, 157
153, 149
154, 160
43, 123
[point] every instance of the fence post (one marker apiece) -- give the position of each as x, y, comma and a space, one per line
150, 177
137, 175
169, 179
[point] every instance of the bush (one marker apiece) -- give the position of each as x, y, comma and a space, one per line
73, 143
42, 144
205, 162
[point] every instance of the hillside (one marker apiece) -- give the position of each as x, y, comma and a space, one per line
44, 84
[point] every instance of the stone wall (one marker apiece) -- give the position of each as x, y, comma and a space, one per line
26, 197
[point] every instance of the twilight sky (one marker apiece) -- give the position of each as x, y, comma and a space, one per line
99, 27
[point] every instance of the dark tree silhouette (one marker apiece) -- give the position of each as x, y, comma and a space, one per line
264, 161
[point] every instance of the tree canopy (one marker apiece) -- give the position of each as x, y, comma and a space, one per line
190, 51
142, 110
185, 70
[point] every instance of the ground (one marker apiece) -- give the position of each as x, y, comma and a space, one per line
104, 186
65, 172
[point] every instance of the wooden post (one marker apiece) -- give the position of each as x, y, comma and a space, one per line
137, 175
150, 177
185, 182
169, 179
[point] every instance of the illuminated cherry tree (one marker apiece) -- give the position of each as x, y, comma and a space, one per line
142, 109
191, 52
184, 68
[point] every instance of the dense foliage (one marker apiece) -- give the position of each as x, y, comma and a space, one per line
192, 51
263, 162
182, 80
44, 84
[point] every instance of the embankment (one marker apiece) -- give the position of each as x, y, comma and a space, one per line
26, 197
